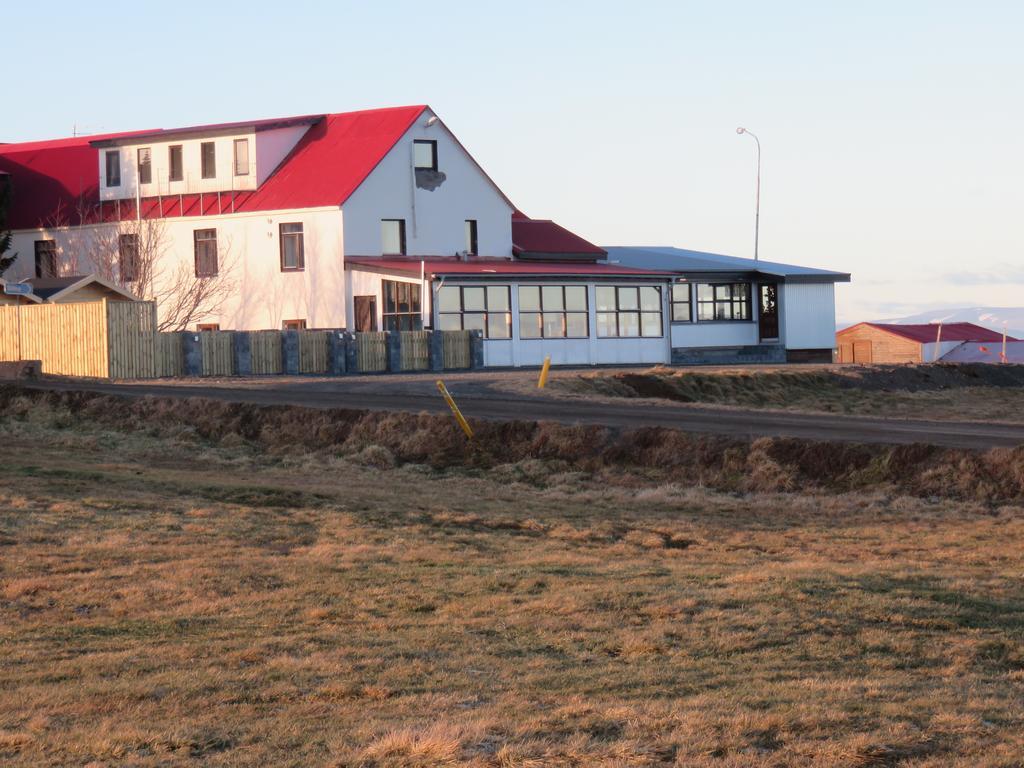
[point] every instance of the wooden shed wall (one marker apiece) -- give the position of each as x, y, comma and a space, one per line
884, 347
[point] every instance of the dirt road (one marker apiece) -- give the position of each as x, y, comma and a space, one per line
482, 396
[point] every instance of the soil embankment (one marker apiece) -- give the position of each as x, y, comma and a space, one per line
619, 456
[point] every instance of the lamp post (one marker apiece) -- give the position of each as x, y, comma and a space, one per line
757, 210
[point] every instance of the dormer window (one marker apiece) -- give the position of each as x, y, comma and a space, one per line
241, 157
145, 166
208, 159
174, 163
425, 154
113, 161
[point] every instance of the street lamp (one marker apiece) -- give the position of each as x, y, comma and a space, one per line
757, 213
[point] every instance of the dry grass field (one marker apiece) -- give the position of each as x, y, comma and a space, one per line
958, 392
171, 599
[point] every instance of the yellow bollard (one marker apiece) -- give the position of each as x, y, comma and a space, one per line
455, 409
543, 380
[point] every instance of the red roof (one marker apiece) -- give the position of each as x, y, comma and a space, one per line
925, 333
256, 125
51, 179
58, 178
483, 266
543, 237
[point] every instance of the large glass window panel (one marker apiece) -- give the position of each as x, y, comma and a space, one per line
576, 298
629, 324
576, 325
474, 321
650, 299
497, 298
650, 323
553, 328
551, 298
499, 325
448, 299
607, 325
629, 298
474, 299
529, 325
529, 298
451, 322
605, 298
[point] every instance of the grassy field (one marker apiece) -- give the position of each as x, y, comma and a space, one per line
170, 600
961, 392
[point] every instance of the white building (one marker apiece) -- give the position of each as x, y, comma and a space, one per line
381, 219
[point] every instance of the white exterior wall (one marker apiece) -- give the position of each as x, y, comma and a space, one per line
808, 319
715, 334
249, 247
266, 151
438, 226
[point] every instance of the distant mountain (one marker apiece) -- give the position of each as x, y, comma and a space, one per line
987, 317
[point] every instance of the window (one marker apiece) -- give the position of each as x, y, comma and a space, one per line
681, 309
293, 257
628, 311
471, 246
553, 312
425, 154
402, 308
128, 256
723, 301
46, 258
113, 160
206, 252
208, 159
241, 157
145, 165
392, 237
202, 327
476, 308
174, 163
294, 325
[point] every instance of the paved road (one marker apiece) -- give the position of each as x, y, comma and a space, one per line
482, 396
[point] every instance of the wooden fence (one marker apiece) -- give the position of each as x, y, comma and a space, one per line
107, 339
218, 353
415, 350
372, 352
456, 347
314, 351
101, 339
265, 352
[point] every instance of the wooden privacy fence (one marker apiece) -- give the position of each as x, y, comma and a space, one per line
372, 352
101, 339
415, 350
456, 347
108, 339
313, 351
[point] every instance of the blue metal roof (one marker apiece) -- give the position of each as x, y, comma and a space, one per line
685, 261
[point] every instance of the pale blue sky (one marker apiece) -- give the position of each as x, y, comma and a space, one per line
892, 131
